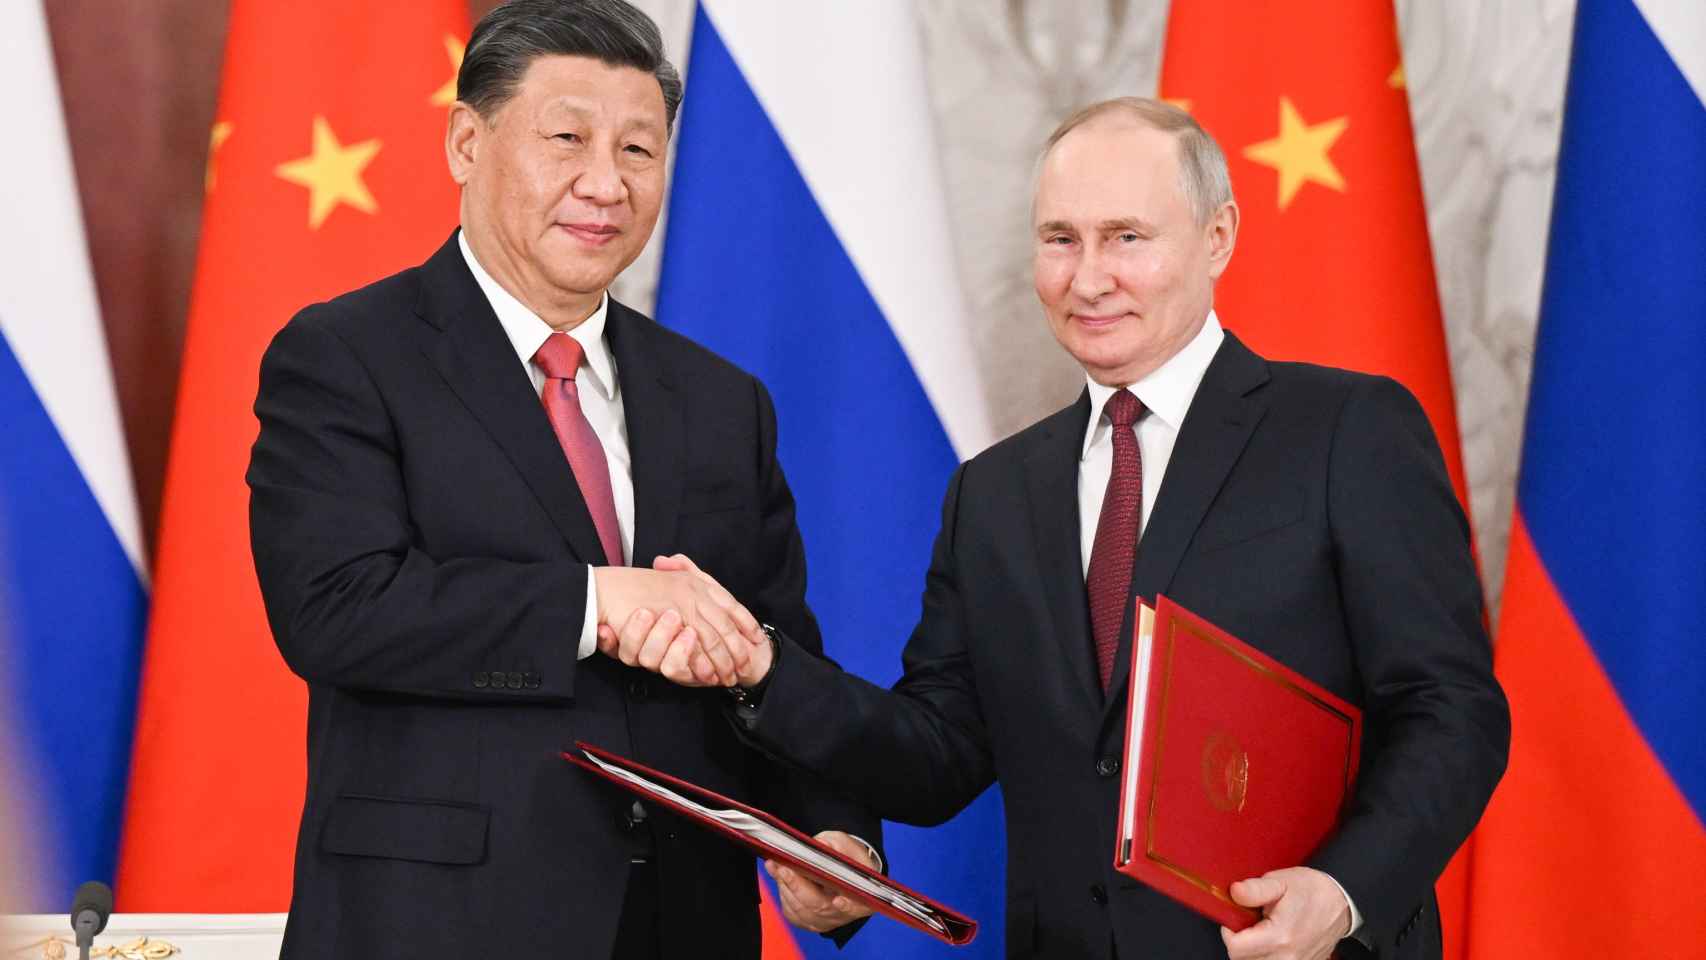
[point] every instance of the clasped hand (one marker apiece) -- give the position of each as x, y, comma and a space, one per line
677, 621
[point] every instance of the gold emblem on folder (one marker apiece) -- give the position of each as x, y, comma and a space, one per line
1225, 772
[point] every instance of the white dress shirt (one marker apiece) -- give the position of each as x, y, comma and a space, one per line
1166, 394
601, 402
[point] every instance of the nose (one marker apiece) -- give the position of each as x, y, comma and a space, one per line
600, 182
1090, 280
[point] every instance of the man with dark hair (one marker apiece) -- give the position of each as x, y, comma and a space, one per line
1302, 508
462, 471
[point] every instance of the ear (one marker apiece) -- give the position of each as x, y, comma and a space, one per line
462, 136
1222, 236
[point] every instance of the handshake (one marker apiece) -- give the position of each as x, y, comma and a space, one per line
677, 621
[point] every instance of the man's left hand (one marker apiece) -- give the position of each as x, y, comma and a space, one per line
811, 905
1304, 915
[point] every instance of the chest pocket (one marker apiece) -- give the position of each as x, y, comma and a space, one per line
713, 497
1243, 520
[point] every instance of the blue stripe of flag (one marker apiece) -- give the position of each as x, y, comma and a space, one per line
72, 612
753, 270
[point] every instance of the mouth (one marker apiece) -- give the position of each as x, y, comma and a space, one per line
1098, 321
591, 234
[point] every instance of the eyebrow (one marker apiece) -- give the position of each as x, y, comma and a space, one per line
557, 108
1137, 224
1115, 225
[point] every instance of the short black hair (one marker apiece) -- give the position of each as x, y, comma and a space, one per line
509, 38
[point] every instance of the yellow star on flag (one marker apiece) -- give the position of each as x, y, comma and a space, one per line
446, 95
1299, 153
1396, 79
332, 174
216, 139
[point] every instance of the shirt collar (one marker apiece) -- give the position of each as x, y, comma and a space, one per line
527, 332
1168, 389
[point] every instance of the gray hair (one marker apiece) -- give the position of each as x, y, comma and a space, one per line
509, 38
1202, 166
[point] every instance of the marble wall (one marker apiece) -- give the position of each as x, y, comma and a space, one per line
1486, 81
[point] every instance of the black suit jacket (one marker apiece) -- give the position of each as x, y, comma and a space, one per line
422, 549
1306, 510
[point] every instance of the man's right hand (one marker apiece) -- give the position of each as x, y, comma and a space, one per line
656, 607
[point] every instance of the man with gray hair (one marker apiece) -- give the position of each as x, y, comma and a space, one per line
462, 471
1304, 509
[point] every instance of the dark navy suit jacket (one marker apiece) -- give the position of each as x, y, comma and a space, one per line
422, 549
1305, 510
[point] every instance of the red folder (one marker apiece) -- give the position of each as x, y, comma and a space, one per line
1235, 764
774, 840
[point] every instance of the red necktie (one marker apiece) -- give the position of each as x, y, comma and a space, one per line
560, 358
1112, 555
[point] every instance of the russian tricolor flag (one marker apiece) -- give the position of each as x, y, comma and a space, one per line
72, 597
1595, 844
807, 241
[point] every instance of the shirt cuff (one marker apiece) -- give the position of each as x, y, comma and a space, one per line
1356, 915
875, 856
589, 623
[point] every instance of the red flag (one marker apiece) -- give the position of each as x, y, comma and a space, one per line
1333, 265
327, 172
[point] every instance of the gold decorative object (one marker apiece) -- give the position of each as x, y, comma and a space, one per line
58, 948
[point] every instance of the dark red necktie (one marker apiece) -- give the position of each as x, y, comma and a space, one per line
1115, 549
560, 358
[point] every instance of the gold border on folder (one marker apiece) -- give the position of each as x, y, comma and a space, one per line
1262, 670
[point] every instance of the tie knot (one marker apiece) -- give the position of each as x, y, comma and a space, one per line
1124, 408
559, 356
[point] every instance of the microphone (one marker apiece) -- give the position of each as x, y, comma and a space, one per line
89, 911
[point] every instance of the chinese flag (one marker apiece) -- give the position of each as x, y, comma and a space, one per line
326, 172
1308, 101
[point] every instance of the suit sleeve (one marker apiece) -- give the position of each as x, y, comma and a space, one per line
1436, 720
352, 602
917, 753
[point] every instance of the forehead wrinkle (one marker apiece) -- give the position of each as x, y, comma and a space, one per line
566, 103
569, 106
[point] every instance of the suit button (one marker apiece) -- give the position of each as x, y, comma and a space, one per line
1098, 894
514, 681
481, 680
637, 689
531, 681
1107, 767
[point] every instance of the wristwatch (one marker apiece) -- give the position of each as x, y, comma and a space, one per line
749, 696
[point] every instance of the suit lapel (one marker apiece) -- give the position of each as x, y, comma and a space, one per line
1223, 414
478, 362
656, 431
1051, 475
